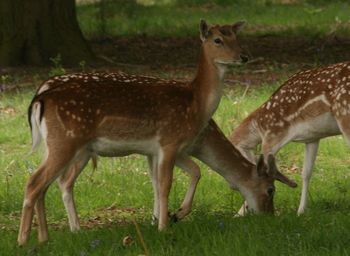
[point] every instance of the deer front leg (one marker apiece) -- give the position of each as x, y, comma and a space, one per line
166, 161
309, 160
152, 162
243, 210
189, 166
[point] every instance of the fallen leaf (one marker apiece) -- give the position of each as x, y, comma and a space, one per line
127, 241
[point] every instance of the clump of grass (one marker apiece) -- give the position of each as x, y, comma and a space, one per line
57, 66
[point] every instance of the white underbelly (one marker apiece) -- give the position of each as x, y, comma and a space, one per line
318, 127
108, 147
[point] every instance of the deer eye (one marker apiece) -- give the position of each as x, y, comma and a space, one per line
270, 191
218, 41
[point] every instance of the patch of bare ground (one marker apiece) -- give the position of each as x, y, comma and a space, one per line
272, 58
182, 52
104, 217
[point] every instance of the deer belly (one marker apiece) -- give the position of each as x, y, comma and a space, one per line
109, 147
315, 128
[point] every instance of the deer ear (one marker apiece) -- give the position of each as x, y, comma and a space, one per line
276, 174
285, 180
271, 165
260, 166
238, 26
203, 30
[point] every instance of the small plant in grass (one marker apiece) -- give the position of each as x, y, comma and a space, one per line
57, 68
82, 65
5, 80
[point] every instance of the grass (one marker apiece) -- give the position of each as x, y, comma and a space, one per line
121, 190
125, 18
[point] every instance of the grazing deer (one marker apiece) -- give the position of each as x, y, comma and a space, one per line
81, 116
255, 182
309, 106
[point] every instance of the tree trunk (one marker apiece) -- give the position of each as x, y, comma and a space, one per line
33, 31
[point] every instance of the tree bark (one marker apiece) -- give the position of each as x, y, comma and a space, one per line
33, 31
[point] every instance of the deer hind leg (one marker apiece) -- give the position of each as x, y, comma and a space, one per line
344, 126
66, 183
152, 162
36, 187
41, 218
243, 210
165, 165
309, 160
189, 166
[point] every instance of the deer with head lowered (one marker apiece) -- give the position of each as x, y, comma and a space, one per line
118, 114
309, 106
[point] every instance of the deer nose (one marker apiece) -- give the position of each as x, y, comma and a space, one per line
244, 58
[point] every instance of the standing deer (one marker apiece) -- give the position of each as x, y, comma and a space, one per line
309, 106
255, 182
117, 114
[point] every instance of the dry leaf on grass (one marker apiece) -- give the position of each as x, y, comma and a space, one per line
127, 241
8, 111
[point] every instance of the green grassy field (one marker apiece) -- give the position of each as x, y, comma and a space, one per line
303, 18
120, 190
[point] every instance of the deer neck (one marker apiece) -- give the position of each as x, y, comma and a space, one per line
207, 86
215, 150
221, 156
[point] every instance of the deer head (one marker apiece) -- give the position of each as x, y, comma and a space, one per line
221, 43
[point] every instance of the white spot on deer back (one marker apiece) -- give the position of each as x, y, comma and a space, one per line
44, 88
268, 105
70, 133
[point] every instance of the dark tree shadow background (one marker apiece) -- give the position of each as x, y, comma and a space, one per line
152, 36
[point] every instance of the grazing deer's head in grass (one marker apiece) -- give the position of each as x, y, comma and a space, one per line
262, 188
254, 181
